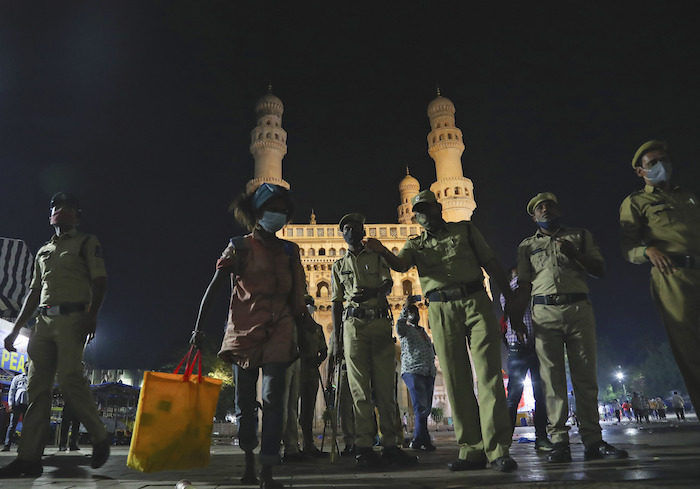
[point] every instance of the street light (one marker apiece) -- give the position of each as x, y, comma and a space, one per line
620, 376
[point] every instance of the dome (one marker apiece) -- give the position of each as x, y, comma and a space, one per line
439, 105
269, 104
408, 181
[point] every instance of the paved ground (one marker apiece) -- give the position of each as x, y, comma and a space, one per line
664, 454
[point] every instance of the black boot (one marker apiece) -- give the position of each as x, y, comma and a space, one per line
266, 480
249, 477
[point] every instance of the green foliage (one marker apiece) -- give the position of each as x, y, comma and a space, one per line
437, 414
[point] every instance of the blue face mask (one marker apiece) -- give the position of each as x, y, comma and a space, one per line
657, 173
548, 225
272, 221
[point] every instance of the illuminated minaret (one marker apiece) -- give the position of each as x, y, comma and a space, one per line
445, 146
268, 142
408, 188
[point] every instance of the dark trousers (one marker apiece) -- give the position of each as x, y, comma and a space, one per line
17, 411
246, 379
520, 360
421, 389
308, 392
70, 422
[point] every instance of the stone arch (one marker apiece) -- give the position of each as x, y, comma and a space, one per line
312, 252
407, 286
342, 251
331, 252
301, 252
321, 252
323, 290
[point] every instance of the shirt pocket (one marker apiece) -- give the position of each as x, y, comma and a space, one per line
539, 259
661, 214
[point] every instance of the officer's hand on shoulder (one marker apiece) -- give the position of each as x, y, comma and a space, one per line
373, 244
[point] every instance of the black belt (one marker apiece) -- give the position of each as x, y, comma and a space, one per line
446, 295
559, 299
366, 313
685, 261
66, 308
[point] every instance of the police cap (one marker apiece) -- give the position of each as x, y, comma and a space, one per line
645, 148
352, 217
423, 197
538, 199
65, 198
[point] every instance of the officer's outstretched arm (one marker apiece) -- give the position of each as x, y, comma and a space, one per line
394, 262
220, 276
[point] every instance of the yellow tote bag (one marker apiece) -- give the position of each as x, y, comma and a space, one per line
174, 419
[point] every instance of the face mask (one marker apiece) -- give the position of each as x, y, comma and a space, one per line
353, 236
311, 309
272, 221
548, 225
657, 173
63, 216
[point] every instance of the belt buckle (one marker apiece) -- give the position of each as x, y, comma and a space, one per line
558, 299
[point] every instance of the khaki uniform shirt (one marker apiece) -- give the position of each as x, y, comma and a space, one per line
65, 267
548, 269
448, 259
670, 221
349, 273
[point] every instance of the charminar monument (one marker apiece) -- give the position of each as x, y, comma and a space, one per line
321, 244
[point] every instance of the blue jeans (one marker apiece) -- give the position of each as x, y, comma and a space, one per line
520, 360
421, 389
247, 405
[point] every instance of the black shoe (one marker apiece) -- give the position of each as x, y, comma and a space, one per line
461, 464
6, 448
394, 455
367, 457
312, 451
100, 453
348, 450
544, 445
427, 447
21, 468
62, 449
292, 458
74, 449
603, 450
561, 453
504, 464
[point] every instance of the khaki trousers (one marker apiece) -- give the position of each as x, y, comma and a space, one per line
677, 299
347, 416
570, 327
370, 355
290, 419
56, 349
482, 427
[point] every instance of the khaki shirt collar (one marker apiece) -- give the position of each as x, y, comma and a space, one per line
651, 189
540, 234
70, 234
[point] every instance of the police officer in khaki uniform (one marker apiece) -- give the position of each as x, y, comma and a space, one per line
660, 224
449, 257
362, 280
68, 287
552, 269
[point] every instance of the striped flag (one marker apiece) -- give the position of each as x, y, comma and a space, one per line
16, 267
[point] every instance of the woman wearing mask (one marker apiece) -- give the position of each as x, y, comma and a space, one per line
268, 286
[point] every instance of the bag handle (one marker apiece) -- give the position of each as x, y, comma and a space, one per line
189, 366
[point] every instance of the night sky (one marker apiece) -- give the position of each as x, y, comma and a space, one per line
144, 109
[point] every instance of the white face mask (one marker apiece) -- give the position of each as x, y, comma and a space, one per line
657, 173
272, 221
311, 309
